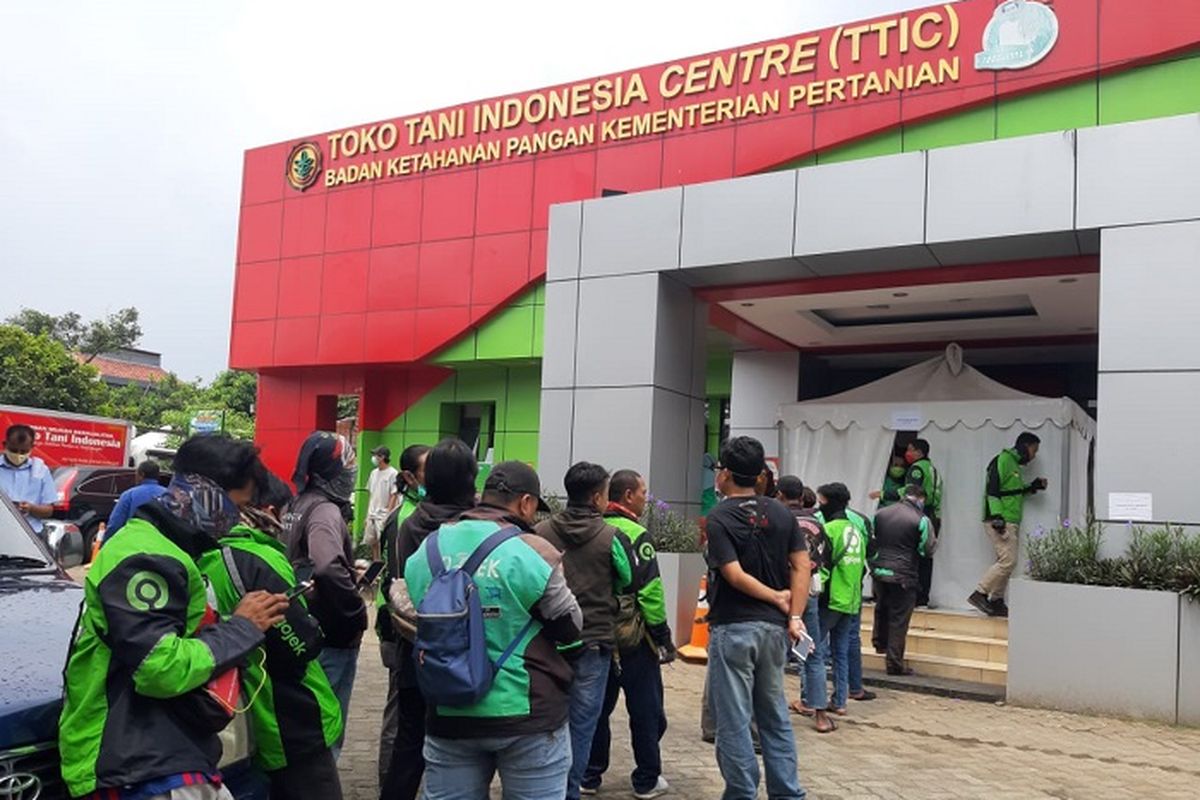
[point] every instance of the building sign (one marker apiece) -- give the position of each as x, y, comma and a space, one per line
207, 421
68, 441
917, 51
1021, 33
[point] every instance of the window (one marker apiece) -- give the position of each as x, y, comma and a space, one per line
475, 424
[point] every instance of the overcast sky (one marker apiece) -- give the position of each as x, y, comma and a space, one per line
122, 124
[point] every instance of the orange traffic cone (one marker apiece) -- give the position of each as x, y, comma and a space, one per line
99, 538
696, 650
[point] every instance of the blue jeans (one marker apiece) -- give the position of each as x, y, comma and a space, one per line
837, 627
745, 672
816, 693
531, 767
855, 654
587, 698
340, 665
640, 677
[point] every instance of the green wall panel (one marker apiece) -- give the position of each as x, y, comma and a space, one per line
719, 377
508, 335
1158, 90
1062, 109
524, 399
887, 144
976, 125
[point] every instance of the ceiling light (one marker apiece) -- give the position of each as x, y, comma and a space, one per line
747, 305
879, 307
899, 294
1068, 280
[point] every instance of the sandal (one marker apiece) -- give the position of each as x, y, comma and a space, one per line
829, 727
866, 695
797, 707
841, 712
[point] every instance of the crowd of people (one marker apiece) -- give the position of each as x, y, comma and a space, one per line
509, 632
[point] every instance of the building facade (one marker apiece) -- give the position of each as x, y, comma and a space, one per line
625, 269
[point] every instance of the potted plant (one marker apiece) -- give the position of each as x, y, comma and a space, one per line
1108, 635
676, 537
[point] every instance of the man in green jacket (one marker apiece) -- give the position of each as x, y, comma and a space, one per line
841, 602
644, 644
295, 716
1004, 507
921, 472
136, 721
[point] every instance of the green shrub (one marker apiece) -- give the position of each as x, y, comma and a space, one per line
1163, 559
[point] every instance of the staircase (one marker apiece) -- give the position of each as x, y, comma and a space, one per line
952, 645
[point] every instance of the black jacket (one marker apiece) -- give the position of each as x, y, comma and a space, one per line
314, 529
586, 542
902, 535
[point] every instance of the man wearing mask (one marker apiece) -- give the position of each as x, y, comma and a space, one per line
410, 488
921, 472
448, 472
1004, 507
644, 644
315, 530
902, 535
137, 721
382, 496
597, 570
841, 601
893, 482
26, 479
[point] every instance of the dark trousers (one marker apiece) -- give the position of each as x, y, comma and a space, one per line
387, 735
925, 566
316, 776
404, 773
893, 611
640, 676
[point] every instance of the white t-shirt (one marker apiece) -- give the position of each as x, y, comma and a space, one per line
381, 486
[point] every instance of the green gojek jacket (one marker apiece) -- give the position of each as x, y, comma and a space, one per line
383, 620
293, 710
1004, 495
843, 578
138, 656
922, 473
645, 581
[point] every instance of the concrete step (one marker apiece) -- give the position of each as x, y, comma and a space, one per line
959, 669
950, 645
967, 623
941, 687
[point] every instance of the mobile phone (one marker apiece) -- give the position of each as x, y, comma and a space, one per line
371, 574
803, 647
299, 589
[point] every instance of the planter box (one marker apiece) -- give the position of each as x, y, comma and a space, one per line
1189, 662
681, 574
1097, 650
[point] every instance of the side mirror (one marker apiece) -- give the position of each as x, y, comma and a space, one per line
65, 541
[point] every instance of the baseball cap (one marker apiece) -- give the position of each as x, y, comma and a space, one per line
515, 478
383, 452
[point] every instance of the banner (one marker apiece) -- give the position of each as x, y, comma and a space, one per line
67, 441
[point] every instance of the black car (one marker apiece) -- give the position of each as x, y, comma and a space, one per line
86, 496
38, 608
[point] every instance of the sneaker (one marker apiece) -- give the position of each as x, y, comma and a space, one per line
660, 788
981, 603
588, 790
999, 608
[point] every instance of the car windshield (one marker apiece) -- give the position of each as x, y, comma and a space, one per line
17, 546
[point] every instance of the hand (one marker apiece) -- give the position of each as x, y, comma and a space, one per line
666, 655
263, 609
783, 600
1040, 484
874, 495
998, 524
796, 629
24, 507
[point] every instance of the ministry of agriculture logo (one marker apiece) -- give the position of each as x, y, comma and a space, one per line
1021, 33
303, 166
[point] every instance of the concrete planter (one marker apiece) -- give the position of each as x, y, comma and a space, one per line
1189, 662
681, 574
1098, 650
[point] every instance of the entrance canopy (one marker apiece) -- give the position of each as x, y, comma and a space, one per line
967, 419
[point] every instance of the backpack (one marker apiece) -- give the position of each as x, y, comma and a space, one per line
450, 649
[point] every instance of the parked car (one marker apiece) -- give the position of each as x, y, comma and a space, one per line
39, 605
86, 496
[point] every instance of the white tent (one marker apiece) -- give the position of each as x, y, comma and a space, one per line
967, 419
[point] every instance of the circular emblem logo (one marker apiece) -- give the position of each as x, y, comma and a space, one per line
1020, 34
20, 786
303, 166
146, 591
646, 552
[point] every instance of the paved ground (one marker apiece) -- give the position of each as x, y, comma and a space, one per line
899, 747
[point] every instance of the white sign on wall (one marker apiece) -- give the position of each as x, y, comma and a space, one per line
907, 420
1131, 506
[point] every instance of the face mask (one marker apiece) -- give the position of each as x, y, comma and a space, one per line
375, 461
421, 491
911, 458
896, 472
16, 459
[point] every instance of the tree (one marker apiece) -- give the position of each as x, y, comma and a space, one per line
89, 339
234, 390
148, 406
38, 371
